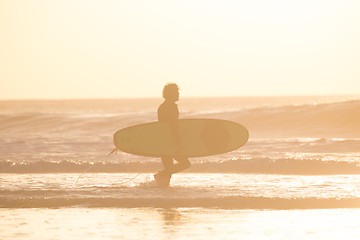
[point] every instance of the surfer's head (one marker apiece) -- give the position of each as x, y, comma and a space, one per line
171, 92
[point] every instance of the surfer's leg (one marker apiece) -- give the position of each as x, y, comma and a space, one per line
168, 164
183, 163
163, 177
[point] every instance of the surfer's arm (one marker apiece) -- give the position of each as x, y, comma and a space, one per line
175, 129
170, 113
176, 133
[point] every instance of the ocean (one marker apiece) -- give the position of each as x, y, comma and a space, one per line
298, 176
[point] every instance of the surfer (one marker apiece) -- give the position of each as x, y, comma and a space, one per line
168, 112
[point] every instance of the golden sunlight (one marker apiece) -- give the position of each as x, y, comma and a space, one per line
92, 49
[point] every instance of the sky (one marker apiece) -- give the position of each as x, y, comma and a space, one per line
68, 49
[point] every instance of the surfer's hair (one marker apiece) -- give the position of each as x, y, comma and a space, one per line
169, 90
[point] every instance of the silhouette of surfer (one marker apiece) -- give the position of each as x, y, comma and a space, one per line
168, 112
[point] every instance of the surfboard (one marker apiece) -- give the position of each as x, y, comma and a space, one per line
198, 137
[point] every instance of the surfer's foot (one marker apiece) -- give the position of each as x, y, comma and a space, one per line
162, 179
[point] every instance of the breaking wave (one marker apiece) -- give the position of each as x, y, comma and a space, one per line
338, 119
